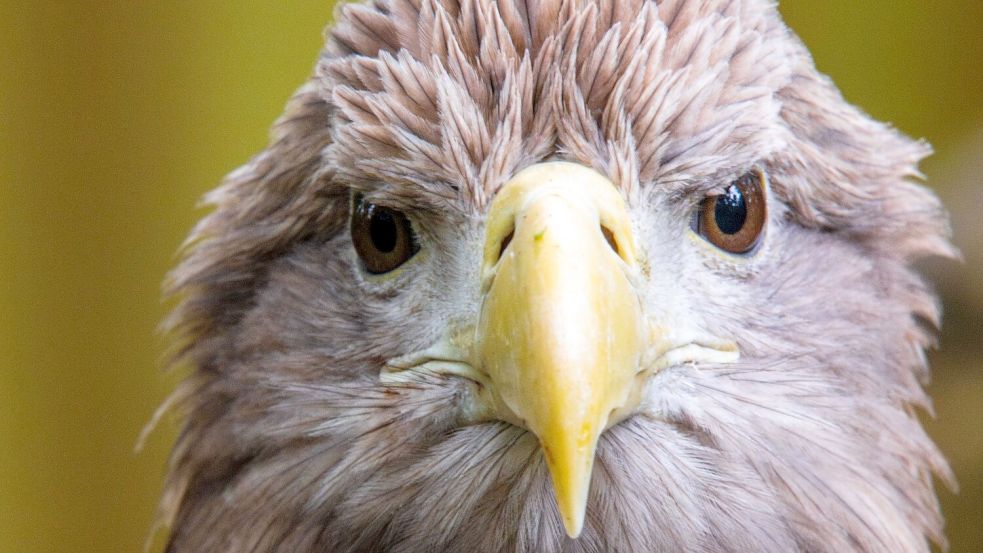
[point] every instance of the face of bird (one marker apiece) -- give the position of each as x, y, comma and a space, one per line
563, 341
603, 294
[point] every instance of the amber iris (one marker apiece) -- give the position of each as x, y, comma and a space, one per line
734, 220
383, 237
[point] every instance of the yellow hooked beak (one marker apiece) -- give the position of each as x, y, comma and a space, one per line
561, 333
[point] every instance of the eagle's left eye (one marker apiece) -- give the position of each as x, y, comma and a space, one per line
734, 221
383, 237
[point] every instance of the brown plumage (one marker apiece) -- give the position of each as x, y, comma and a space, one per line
809, 442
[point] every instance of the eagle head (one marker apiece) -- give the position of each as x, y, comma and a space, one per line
561, 275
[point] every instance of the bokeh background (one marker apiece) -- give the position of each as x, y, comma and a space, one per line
115, 117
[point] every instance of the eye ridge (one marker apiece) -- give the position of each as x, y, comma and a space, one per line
383, 237
734, 221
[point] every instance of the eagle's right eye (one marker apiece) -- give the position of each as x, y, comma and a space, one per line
734, 221
383, 237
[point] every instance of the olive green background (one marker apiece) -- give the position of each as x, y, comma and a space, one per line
114, 119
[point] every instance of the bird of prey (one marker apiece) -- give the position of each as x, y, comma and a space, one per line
561, 275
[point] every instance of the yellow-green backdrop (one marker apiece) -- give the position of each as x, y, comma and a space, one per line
116, 116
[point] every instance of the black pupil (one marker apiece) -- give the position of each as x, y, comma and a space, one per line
730, 211
382, 229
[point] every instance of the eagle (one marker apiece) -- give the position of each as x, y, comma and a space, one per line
561, 276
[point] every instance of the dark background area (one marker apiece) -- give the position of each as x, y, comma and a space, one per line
116, 117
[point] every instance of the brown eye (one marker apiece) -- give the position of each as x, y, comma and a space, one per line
733, 221
383, 237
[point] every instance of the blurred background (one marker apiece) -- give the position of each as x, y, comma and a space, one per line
115, 117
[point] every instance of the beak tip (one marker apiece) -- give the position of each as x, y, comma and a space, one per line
571, 499
574, 526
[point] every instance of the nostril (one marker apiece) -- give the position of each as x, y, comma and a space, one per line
505, 243
609, 236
